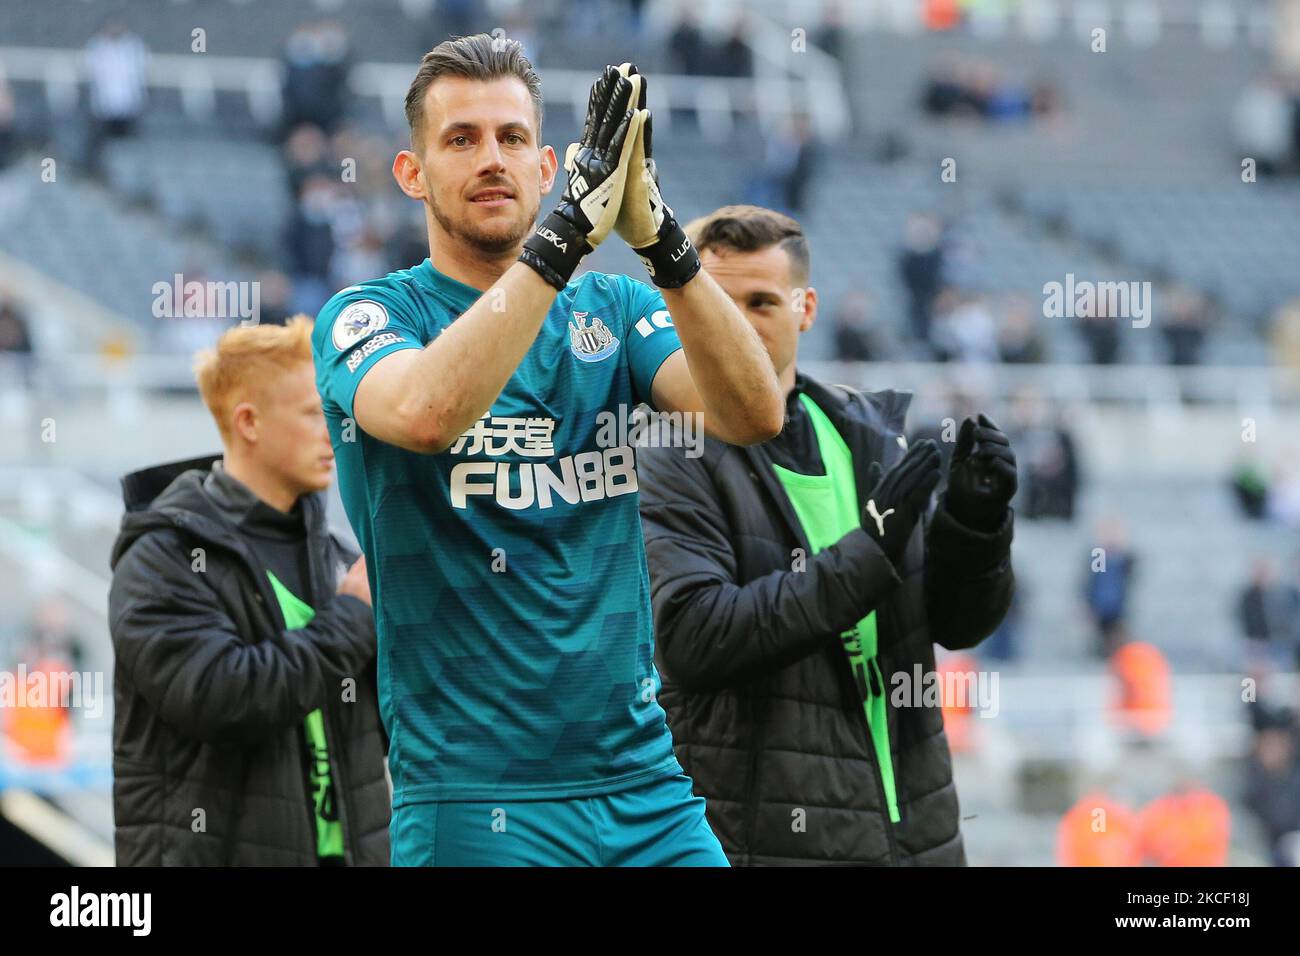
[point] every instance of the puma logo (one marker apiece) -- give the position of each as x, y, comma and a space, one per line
878, 517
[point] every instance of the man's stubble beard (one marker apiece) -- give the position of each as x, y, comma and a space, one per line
488, 245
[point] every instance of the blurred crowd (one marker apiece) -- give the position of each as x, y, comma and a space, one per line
1268, 616
950, 319
976, 88
1268, 492
346, 222
38, 734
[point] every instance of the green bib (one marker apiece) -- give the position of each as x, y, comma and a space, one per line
329, 831
827, 508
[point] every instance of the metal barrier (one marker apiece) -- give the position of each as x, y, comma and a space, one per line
1249, 389
810, 81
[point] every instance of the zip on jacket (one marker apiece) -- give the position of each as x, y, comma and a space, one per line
265, 596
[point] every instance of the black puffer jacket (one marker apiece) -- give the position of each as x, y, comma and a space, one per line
211, 690
758, 690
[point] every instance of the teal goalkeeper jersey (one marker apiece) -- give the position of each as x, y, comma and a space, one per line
511, 596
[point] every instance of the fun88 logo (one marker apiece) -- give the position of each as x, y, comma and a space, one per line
518, 485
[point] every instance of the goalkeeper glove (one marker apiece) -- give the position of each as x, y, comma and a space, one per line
981, 476
597, 168
899, 498
645, 221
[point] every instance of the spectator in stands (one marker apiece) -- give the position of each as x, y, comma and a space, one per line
1187, 318
39, 733
1019, 340
733, 57
966, 333
14, 337
855, 339
1250, 487
455, 18
1141, 696
1285, 334
1004, 644
1050, 463
52, 635
198, 329
1292, 588
687, 47
1004, 100
359, 256
1262, 123
832, 34
315, 75
1100, 331
1189, 827
1080, 842
8, 132
980, 79
16, 351
275, 292
1267, 612
520, 25
1284, 489
409, 244
1108, 583
944, 91
976, 88
310, 242
636, 17
789, 166
116, 65
243, 637
1045, 100
1272, 789
373, 164
306, 153
921, 267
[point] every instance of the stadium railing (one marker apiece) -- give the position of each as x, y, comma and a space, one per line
1164, 387
816, 86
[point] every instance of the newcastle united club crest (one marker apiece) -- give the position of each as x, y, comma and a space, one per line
590, 339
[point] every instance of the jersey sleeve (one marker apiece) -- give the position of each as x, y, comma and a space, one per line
651, 337
354, 330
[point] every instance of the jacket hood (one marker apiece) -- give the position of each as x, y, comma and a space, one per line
179, 495
169, 495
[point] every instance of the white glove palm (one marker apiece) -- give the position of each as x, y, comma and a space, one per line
645, 221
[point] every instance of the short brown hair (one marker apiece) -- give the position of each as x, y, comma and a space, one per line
245, 359
477, 57
751, 229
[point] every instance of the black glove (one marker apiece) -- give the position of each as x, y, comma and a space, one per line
900, 497
597, 167
981, 476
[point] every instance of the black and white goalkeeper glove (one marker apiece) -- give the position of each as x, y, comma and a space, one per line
597, 168
646, 222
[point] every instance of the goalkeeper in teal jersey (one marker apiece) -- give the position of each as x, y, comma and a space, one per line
470, 400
